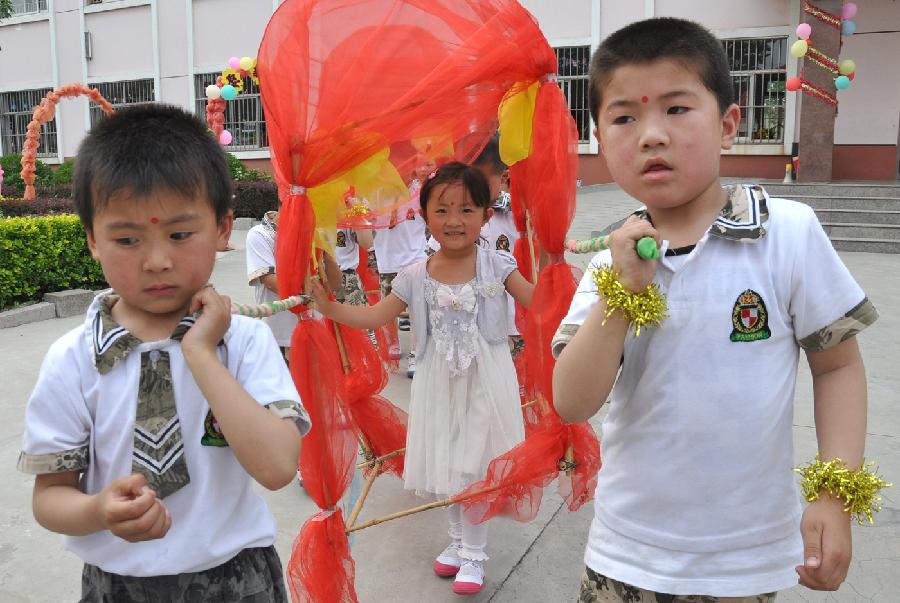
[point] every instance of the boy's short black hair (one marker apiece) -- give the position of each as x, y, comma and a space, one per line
490, 156
662, 38
146, 148
457, 172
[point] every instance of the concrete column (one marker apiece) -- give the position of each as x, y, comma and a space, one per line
817, 116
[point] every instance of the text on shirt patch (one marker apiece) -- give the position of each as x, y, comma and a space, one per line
750, 318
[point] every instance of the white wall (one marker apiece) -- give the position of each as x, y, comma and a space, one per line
727, 14
123, 44
561, 19
25, 59
227, 28
869, 110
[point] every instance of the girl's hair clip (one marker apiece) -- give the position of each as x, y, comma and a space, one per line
432, 174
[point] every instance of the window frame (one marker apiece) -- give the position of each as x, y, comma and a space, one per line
251, 93
567, 81
756, 74
95, 112
49, 130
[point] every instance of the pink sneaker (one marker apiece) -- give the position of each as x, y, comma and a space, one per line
448, 562
469, 578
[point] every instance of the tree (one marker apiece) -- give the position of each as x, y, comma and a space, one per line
5, 9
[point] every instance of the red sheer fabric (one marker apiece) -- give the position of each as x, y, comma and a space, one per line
328, 575
352, 89
387, 335
316, 368
516, 480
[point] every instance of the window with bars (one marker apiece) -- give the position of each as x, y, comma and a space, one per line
758, 73
16, 110
28, 7
244, 116
122, 94
572, 64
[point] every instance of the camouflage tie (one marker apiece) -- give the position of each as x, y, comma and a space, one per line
158, 444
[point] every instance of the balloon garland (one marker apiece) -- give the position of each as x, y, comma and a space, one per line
228, 85
843, 71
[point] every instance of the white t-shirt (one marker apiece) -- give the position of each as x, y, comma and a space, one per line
499, 234
260, 262
697, 493
403, 244
346, 251
74, 407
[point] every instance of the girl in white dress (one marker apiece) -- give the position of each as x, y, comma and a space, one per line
464, 407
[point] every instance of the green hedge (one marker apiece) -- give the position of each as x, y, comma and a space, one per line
44, 254
251, 200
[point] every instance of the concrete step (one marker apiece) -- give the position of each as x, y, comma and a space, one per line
883, 232
859, 216
863, 203
866, 245
880, 189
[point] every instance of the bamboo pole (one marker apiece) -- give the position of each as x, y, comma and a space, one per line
381, 459
529, 232
426, 507
357, 508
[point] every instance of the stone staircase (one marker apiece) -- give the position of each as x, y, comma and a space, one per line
857, 217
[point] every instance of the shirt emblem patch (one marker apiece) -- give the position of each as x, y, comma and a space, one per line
750, 318
341, 239
503, 243
212, 433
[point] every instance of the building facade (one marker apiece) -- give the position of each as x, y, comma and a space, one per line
138, 51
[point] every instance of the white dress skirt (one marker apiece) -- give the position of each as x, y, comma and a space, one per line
464, 409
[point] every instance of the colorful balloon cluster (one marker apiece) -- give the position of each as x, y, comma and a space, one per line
228, 85
845, 71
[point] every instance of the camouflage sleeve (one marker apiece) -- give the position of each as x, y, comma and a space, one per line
288, 409
561, 339
54, 462
858, 318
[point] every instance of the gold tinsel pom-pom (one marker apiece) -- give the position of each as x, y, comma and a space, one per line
857, 488
645, 309
358, 209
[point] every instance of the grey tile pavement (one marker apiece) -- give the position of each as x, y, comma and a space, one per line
535, 562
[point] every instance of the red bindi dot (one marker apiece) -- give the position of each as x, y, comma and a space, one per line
154, 220
644, 99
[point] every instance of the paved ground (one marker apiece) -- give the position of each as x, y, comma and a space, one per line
535, 562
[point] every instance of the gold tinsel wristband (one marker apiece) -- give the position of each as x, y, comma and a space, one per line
644, 309
857, 488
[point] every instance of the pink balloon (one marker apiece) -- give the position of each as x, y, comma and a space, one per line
849, 10
225, 137
803, 31
234, 63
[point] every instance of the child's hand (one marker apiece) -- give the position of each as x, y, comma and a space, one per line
323, 302
827, 544
129, 509
634, 273
212, 323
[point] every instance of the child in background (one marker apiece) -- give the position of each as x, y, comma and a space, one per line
464, 406
262, 277
697, 499
401, 245
149, 423
500, 233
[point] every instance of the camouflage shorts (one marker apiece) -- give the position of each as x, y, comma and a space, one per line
596, 588
385, 280
351, 289
251, 576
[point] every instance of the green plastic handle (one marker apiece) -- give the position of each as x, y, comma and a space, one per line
647, 249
